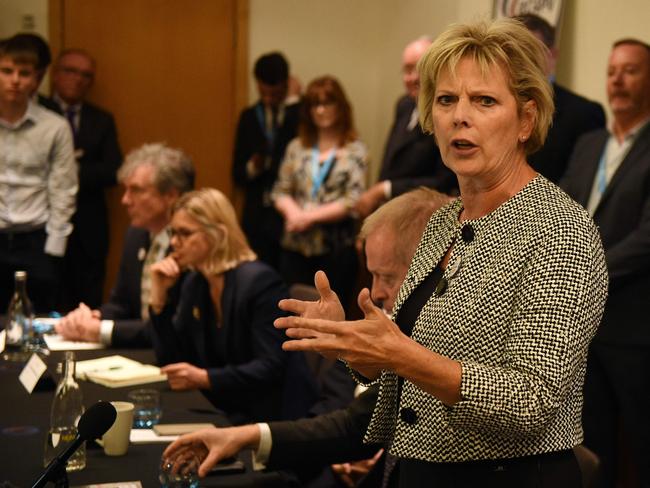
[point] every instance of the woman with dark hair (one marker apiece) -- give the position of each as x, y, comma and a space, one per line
321, 178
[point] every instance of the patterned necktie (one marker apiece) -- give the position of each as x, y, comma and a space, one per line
145, 283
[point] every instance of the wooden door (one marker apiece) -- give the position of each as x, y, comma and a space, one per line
168, 70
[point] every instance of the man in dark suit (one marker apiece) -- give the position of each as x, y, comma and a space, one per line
609, 174
574, 115
98, 154
154, 176
390, 236
263, 132
411, 157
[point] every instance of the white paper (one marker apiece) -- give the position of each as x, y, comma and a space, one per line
57, 343
31, 373
3, 339
148, 436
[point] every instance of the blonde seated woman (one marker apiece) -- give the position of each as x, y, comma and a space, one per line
212, 310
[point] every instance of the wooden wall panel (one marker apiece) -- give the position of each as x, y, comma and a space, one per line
167, 71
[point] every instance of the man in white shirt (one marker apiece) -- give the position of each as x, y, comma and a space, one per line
38, 180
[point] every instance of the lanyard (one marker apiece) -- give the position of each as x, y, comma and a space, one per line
602, 173
269, 132
320, 171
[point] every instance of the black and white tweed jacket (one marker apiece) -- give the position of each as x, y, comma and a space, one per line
525, 296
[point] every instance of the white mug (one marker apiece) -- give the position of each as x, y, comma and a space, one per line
116, 439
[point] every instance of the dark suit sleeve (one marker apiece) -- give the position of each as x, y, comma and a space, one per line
330, 438
630, 257
100, 173
131, 334
246, 142
259, 294
122, 303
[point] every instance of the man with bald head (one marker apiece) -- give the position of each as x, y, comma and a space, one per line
98, 154
411, 158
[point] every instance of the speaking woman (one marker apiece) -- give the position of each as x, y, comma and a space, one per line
482, 365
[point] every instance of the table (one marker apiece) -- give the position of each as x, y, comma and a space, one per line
24, 422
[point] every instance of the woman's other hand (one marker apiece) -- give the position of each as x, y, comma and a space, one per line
164, 274
328, 306
368, 345
185, 376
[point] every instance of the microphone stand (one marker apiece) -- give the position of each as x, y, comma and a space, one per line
55, 471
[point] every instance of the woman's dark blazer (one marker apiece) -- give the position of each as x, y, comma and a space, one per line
247, 367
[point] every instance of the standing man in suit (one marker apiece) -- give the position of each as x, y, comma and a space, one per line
153, 176
411, 157
609, 174
98, 154
574, 115
263, 132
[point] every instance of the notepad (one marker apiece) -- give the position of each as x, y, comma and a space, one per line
118, 371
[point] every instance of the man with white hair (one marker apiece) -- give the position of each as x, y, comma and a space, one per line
154, 176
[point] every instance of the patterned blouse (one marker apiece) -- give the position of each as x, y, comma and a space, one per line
344, 183
526, 289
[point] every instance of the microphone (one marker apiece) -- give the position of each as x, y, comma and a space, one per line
92, 424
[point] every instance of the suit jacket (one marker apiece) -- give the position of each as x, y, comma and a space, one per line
100, 158
243, 351
123, 305
623, 219
330, 438
574, 116
411, 158
250, 139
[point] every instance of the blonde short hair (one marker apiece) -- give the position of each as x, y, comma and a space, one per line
406, 216
214, 213
505, 43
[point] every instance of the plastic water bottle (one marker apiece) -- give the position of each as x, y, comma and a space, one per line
67, 408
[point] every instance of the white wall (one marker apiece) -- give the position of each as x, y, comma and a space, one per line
360, 42
24, 16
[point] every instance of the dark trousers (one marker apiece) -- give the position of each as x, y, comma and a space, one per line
25, 251
617, 401
83, 279
340, 267
551, 470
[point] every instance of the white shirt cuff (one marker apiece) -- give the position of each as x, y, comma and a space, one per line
261, 455
55, 245
106, 331
388, 189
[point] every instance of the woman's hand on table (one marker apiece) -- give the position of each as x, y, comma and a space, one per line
185, 376
368, 345
215, 444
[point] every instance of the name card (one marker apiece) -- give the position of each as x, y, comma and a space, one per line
32, 372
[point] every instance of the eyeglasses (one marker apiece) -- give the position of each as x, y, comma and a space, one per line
86, 75
182, 234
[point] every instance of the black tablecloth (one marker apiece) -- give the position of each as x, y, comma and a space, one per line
24, 421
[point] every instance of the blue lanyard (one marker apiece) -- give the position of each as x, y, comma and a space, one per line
269, 133
602, 173
319, 171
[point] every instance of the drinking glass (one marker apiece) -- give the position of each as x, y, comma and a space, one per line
180, 471
147, 410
